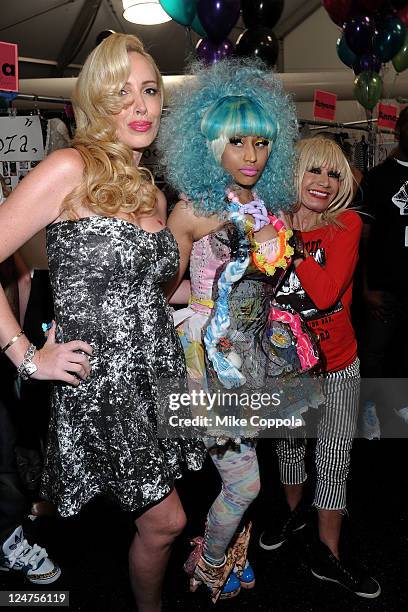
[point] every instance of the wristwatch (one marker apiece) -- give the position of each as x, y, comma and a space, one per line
27, 367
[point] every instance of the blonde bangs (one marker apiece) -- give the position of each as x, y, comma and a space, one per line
111, 182
319, 151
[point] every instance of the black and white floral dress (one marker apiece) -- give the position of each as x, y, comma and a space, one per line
105, 274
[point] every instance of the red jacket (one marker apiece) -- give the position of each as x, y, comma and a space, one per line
324, 292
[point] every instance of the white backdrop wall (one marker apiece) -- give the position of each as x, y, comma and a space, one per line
311, 47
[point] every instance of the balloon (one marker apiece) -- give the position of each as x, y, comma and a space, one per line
102, 35
403, 15
367, 63
197, 27
182, 11
218, 17
368, 89
261, 12
210, 52
358, 33
399, 4
371, 6
339, 10
389, 38
344, 52
260, 42
400, 61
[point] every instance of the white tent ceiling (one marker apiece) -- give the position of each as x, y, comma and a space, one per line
54, 36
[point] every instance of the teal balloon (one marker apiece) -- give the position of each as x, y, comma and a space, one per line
368, 89
389, 38
197, 27
345, 54
182, 11
400, 61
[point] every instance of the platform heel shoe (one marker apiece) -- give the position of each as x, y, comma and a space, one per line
219, 579
243, 569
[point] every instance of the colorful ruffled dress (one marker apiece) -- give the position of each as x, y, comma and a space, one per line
269, 346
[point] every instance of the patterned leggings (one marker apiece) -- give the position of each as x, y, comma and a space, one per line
240, 485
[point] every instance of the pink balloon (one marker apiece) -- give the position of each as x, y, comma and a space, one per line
403, 15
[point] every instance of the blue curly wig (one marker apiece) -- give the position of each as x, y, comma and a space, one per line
196, 117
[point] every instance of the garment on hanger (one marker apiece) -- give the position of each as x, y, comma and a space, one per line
57, 135
360, 155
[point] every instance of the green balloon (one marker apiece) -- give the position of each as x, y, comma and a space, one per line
182, 11
400, 61
368, 89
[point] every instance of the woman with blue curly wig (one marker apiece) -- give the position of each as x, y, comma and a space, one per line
228, 149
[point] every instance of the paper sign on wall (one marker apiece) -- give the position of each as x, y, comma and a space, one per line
324, 105
387, 115
21, 147
21, 138
8, 66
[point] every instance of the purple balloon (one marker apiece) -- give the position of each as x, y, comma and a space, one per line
210, 52
218, 17
359, 33
367, 62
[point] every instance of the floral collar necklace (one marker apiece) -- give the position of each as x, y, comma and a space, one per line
256, 208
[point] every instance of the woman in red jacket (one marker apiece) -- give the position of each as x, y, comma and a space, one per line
320, 287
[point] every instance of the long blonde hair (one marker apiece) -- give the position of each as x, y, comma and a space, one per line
111, 183
320, 151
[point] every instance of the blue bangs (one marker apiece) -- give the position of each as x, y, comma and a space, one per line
233, 97
237, 116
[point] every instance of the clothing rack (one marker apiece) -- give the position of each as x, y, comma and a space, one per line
333, 124
34, 98
354, 125
370, 128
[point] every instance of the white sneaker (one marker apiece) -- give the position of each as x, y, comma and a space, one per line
369, 423
17, 554
403, 414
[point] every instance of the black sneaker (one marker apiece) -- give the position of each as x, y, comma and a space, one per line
271, 539
325, 566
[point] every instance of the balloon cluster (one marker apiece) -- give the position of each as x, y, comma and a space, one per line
259, 39
214, 20
373, 33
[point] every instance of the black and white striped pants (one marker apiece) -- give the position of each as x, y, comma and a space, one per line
335, 434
